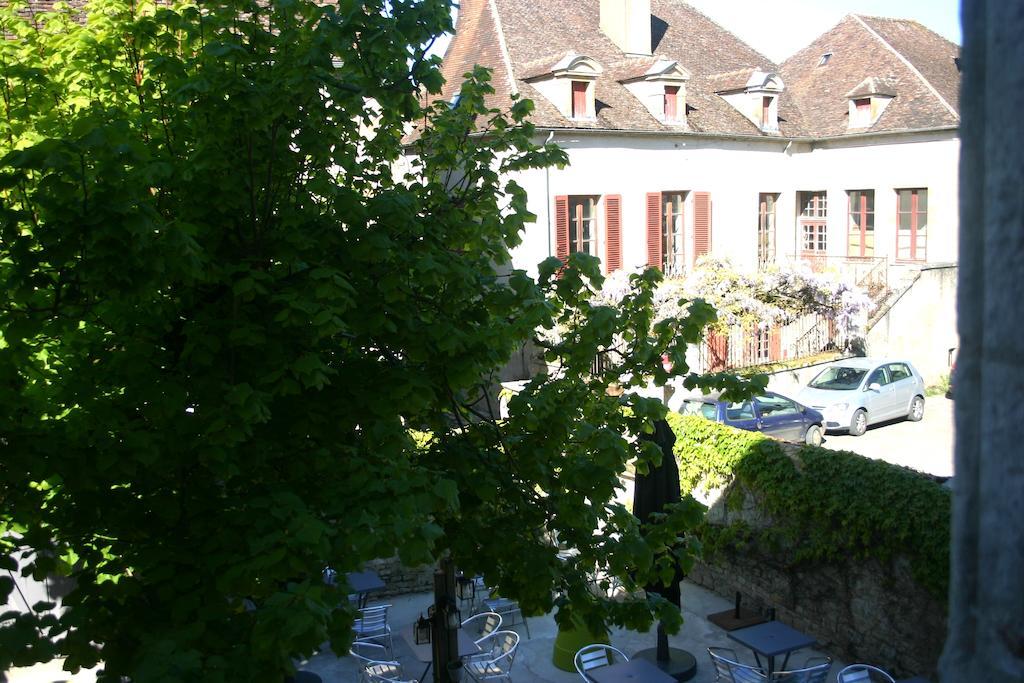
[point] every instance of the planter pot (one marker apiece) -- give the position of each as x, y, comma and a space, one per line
454, 670
570, 639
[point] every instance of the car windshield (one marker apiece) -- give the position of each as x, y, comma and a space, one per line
695, 407
838, 378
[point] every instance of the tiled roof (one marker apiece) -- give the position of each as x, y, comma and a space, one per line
821, 91
873, 86
539, 31
900, 55
931, 54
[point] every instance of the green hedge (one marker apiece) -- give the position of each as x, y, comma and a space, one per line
827, 506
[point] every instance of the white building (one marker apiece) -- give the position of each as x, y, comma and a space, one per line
683, 140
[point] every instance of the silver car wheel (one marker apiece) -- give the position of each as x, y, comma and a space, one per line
916, 409
859, 424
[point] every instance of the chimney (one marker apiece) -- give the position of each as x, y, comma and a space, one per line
628, 24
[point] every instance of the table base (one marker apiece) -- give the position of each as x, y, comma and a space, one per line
681, 664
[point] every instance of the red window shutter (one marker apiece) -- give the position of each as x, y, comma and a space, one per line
654, 229
775, 344
701, 224
579, 99
613, 232
562, 228
671, 98
718, 351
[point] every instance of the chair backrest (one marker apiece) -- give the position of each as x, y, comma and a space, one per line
595, 656
500, 645
729, 670
863, 673
373, 618
373, 662
816, 673
482, 625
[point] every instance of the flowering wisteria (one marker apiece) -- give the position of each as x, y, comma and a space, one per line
764, 299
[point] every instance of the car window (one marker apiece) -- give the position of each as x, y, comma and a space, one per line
701, 408
898, 371
838, 378
879, 376
775, 405
739, 411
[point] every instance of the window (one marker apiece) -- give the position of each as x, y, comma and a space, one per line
766, 229
775, 405
898, 371
582, 223
824, 59
739, 411
879, 376
580, 110
759, 346
813, 222
912, 223
766, 112
671, 103
696, 407
672, 233
860, 113
862, 223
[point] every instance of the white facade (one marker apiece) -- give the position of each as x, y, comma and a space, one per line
735, 171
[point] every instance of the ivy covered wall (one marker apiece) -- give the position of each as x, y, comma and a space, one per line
851, 550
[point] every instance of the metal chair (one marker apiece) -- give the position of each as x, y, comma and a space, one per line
372, 625
815, 672
483, 624
595, 656
373, 665
863, 673
507, 609
495, 662
728, 668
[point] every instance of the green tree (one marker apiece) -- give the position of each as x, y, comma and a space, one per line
222, 312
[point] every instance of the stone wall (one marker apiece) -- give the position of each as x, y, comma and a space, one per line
399, 579
920, 324
860, 610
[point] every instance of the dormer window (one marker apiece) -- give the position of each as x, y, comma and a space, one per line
661, 86
753, 93
579, 108
671, 102
861, 113
824, 59
868, 100
569, 84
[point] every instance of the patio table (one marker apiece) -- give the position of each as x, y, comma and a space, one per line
633, 671
364, 583
771, 639
425, 652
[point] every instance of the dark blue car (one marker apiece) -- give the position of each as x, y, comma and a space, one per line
770, 413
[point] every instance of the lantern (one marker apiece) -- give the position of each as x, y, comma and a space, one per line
466, 588
453, 618
422, 631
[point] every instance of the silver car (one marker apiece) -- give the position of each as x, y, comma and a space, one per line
857, 392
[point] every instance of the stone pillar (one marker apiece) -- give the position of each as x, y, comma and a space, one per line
986, 602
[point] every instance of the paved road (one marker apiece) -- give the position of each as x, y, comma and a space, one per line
926, 446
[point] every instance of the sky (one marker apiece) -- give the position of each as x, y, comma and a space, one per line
779, 28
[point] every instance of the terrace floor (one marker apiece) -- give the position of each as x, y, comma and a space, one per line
533, 661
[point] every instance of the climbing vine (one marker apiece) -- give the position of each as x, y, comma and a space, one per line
826, 506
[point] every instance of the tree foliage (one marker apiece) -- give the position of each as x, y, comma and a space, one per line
222, 311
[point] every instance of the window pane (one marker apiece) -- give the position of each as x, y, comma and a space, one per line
904, 200
922, 200
904, 221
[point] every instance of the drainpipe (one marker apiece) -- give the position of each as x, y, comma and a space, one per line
547, 192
